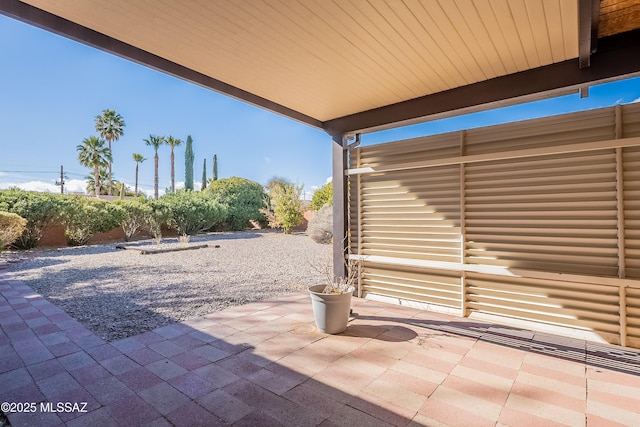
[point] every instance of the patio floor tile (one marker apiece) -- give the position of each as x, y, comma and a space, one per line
225, 406
145, 355
166, 369
193, 415
167, 348
210, 352
164, 398
99, 417
102, 352
76, 360
132, 412
9, 361
139, 379
90, 373
26, 393
54, 386
119, 364
258, 418
109, 391
216, 375
392, 366
190, 360
45, 369
127, 345
15, 378
192, 384
36, 418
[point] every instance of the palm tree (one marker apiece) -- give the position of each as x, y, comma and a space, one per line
173, 143
138, 158
155, 141
92, 153
110, 125
103, 177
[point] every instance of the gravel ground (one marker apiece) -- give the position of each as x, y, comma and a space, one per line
120, 293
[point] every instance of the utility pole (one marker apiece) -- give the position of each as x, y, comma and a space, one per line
61, 182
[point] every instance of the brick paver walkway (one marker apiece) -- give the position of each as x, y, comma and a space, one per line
265, 364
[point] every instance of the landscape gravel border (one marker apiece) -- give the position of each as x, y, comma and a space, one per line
121, 293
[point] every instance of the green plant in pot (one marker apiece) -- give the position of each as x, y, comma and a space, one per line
331, 302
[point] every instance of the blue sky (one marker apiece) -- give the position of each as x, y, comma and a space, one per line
52, 88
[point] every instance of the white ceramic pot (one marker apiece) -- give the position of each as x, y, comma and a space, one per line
330, 311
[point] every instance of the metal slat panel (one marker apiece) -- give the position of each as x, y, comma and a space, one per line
631, 162
633, 315
433, 287
553, 302
539, 193
587, 126
517, 229
631, 120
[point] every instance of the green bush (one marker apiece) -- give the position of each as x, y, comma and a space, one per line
160, 213
242, 199
288, 206
39, 209
322, 196
192, 213
11, 227
137, 214
83, 217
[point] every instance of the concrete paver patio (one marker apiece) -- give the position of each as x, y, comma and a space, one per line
265, 364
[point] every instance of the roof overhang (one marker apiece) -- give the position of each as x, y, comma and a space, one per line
556, 53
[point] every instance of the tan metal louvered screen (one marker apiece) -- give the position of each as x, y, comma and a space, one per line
536, 220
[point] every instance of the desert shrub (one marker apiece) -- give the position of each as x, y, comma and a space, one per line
136, 215
320, 227
192, 213
83, 217
322, 196
242, 199
39, 209
288, 206
160, 213
11, 227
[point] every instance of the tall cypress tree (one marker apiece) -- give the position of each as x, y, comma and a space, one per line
204, 175
188, 164
215, 167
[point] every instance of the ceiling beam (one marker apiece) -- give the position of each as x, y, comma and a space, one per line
617, 57
63, 27
588, 19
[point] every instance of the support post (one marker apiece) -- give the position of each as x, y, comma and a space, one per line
340, 243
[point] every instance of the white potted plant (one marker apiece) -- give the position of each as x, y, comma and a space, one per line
331, 302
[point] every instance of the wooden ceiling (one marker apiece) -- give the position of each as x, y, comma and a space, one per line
343, 65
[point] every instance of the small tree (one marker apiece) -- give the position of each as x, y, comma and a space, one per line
242, 198
288, 206
322, 196
137, 214
160, 214
188, 164
204, 175
192, 213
